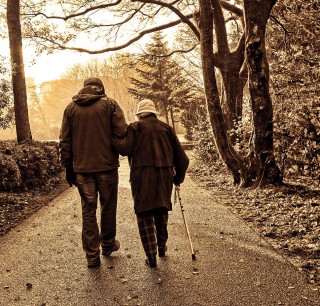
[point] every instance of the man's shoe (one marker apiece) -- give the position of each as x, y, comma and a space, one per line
151, 262
114, 248
94, 264
162, 251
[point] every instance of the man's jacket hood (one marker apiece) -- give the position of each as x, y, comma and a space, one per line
89, 95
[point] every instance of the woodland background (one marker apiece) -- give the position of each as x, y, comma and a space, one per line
238, 79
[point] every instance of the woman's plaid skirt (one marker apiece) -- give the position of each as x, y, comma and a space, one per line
153, 230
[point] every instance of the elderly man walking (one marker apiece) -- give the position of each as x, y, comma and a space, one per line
157, 161
88, 125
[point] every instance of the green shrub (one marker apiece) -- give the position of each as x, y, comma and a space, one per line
10, 174
198, 129
28, 166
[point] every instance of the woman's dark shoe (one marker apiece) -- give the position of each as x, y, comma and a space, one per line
152, 262
162, 251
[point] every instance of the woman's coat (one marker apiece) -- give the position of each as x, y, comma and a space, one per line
156, 159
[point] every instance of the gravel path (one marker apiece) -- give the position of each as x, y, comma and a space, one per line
42, 262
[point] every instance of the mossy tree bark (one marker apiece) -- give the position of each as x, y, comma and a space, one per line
259, 166
256, 16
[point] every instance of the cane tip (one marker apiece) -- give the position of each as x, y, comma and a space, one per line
193, 257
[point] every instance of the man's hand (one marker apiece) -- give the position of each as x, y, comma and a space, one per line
71, 177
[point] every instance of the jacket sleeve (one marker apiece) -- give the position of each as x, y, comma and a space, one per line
180, 159
124, 145
119, 125
65, 142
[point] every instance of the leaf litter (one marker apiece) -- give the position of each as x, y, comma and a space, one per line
287, 216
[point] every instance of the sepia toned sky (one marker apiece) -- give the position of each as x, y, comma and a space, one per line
50, 67
46, 67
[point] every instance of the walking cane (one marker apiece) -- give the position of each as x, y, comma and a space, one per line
177, 195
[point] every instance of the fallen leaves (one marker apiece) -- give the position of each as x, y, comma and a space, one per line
17, 206
29, 286
195, 271
123, 279
286, 216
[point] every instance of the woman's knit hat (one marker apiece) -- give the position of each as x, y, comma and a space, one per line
146, 106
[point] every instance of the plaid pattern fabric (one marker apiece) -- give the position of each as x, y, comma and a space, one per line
147, 235
161, 223
153, 231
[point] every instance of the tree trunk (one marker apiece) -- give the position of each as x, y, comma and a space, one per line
233, 91
260, 166
234, 97
229, 63
233, 161
172, 119
18, 76
233, 102
256, 16
167, 115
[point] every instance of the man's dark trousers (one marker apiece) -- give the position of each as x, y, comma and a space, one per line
90, 185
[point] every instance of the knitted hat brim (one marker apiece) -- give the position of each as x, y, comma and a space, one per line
147, 111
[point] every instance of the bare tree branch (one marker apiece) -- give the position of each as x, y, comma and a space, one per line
220, 28
276, 21
177, 51
285, 31
65, 18
128, 43
184, 19
135, 11
232, 8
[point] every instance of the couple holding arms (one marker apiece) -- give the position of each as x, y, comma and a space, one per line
93, 134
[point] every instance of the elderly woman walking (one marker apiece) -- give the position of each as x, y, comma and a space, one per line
157, 161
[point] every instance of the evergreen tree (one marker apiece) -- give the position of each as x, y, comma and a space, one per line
160, 79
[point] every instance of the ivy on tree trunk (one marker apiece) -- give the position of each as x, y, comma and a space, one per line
256, 16
259, 167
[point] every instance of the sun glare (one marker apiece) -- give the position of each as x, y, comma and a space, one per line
51, 67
